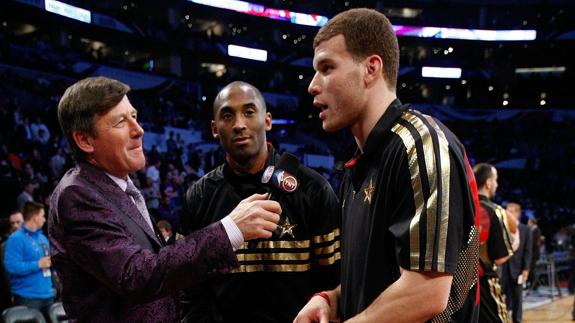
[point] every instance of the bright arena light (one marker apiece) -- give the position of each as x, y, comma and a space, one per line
248, 53
66, 10
441, 72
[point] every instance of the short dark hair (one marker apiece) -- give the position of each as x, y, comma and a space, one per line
163, 224
483, 172
30, 209
82, 102
366, 32
259, 95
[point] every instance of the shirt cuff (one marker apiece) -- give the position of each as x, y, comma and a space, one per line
234, 234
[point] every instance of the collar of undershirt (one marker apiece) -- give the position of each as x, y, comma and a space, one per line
240, 170
383, 125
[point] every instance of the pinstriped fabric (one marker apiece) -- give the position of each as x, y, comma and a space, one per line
429, 165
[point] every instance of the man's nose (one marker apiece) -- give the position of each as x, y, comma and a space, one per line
314, 87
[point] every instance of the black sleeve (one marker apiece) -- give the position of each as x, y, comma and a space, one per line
189, 216
325, 242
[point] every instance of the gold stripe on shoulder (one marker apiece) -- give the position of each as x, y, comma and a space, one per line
327, 250
326, 237
271, 268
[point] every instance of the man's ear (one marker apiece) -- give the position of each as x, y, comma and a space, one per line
373, 69
214, 130
489, 183
268, 121
83, 141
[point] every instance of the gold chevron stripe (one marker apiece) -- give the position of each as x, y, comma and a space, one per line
278, 256
329, 261
271, 268
295, 244
326, 250
326, 237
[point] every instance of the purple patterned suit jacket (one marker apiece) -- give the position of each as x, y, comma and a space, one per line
112, 266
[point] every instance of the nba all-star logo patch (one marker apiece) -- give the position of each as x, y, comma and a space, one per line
368, 191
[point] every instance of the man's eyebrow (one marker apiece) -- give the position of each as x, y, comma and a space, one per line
225, 108
249, 105
322, 61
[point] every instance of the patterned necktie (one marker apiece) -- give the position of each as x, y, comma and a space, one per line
140, 203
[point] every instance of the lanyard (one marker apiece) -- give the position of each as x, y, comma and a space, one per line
39, 251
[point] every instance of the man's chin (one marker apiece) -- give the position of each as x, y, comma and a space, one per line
138, 164
328, 127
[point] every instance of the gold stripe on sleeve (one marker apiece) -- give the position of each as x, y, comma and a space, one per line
445, 174
409, 143
431, 202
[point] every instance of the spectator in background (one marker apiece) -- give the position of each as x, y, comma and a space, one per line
536, 243
153, 155
39, 131
171, 145
27, 194
27, 261
57, 163
151, 194
16, 220
516, 270
153, 172
167, 212
166, 230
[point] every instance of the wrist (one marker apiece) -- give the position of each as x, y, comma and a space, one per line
325, 296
